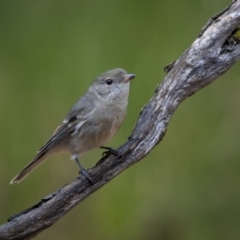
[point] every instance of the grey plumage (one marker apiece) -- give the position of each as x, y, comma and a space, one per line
92, 120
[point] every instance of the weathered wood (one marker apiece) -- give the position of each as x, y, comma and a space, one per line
211, 55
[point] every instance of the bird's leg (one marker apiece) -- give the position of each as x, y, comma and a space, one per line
112, 151
82, 169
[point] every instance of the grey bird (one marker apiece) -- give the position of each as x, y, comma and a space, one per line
91, 122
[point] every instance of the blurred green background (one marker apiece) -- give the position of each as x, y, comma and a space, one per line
187, 188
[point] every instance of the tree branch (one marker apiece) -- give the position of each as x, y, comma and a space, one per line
215, 50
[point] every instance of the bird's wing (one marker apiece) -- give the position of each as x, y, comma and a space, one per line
64, 130
70, 126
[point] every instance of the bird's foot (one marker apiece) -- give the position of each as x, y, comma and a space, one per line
86, 174
112, 151
82, 169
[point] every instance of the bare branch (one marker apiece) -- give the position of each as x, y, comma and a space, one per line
215, 50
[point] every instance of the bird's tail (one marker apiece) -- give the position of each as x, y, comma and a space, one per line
30, 167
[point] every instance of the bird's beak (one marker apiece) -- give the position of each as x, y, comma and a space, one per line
129, 77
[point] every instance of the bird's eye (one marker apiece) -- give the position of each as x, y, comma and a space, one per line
109, 81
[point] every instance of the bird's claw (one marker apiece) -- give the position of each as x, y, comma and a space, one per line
112, 151
86, 174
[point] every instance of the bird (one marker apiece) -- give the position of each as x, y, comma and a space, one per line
92, 121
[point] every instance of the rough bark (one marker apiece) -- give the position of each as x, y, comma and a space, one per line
215, 50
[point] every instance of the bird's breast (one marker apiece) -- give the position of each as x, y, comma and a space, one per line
99, 127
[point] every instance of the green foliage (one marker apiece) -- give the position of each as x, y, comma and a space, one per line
188, 186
